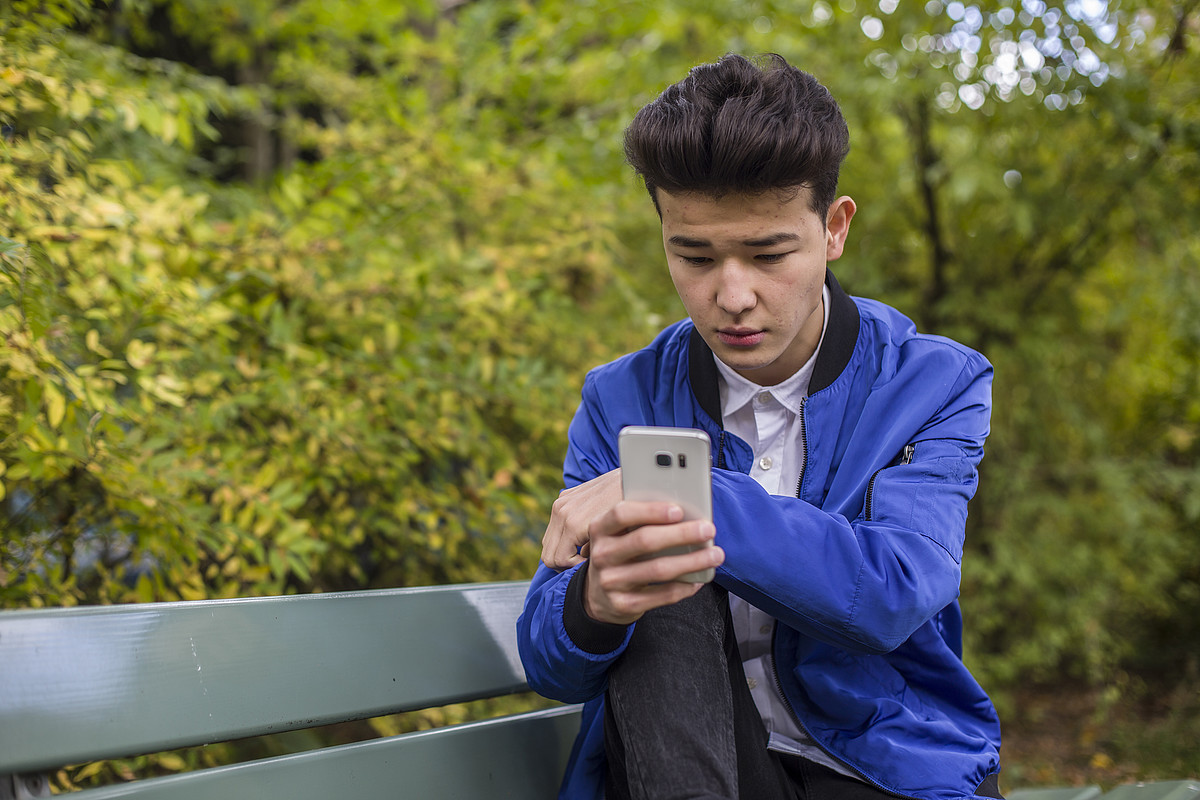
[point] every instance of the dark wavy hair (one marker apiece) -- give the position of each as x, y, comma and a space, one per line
739, 126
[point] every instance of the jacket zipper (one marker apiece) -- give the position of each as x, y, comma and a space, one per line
788, 705
803, 445
906, 457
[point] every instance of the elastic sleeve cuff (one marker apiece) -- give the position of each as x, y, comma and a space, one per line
589, 635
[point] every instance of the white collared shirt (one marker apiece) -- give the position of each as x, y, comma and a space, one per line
768, 419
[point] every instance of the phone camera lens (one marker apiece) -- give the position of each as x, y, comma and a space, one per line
662, 459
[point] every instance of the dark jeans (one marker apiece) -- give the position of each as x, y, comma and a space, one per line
680, 722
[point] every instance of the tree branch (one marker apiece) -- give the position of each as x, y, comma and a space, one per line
927, 160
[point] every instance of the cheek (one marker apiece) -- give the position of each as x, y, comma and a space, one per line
675, 279
807, 283
689, 289
794, 297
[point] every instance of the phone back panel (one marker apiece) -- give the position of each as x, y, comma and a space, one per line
671, 465
667, 464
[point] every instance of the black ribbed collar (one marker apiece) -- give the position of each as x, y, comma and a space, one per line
841, 334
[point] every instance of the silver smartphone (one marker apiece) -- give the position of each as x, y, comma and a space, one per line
672, 465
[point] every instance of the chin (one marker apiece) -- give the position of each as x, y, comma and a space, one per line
746, 365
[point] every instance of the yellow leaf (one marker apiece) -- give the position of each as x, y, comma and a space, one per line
110, 213
245, 517
187, 592
56, 405
246, 367
80, 105
170, 129
129, 116
92, 339
267, 476
139, 353
172, 762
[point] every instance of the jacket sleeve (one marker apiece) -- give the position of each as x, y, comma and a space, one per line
864, 583
566, 654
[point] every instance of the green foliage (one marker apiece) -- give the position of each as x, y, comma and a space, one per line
358, 376
295, 300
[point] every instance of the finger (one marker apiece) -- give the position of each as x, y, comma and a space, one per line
559, 552
614, 586
560, 549
649, 541
628, 515
571, 517
558, 564
670, 568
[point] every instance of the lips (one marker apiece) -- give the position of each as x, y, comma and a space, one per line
740, 337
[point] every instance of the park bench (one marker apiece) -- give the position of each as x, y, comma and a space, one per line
1165, 790
86, 684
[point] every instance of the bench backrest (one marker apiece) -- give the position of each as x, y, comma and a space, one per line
85, 684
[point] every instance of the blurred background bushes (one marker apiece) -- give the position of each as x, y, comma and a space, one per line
298, 296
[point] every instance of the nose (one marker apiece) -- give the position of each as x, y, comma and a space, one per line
735, 288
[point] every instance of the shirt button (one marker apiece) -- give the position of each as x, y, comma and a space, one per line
750, 682
765, 462
764, 397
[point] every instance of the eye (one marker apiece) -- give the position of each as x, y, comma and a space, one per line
772, 258
696, 261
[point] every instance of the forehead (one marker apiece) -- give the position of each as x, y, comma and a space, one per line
738, 214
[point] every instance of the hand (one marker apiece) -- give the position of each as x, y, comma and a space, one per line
573, 512
625, 578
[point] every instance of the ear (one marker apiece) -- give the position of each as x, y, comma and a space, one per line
838, 226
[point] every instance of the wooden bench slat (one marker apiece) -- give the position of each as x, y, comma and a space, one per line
520, 756
80, 685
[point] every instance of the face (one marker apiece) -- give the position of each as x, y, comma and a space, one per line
749, 269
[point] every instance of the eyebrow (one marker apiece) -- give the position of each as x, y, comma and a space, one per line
766, 241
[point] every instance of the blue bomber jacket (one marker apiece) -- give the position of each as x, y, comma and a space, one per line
861, 568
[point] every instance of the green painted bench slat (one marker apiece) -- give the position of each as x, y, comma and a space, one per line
1165, 790
1076, 793
86, 684
523, 759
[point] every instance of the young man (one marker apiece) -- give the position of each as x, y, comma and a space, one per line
825, 659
